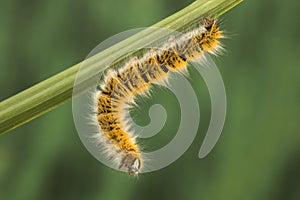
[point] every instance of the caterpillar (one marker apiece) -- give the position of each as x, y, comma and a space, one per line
119, 88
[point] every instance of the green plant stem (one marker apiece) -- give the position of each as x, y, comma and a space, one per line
54, 91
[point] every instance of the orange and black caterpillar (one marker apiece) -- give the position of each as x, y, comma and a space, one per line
119, 88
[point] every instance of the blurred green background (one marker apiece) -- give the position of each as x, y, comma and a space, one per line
257, 156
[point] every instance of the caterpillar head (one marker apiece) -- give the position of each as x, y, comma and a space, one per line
132, 162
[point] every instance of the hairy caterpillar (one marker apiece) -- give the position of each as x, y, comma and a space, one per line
119, 88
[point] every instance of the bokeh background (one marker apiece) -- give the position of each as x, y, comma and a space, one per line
257, 156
